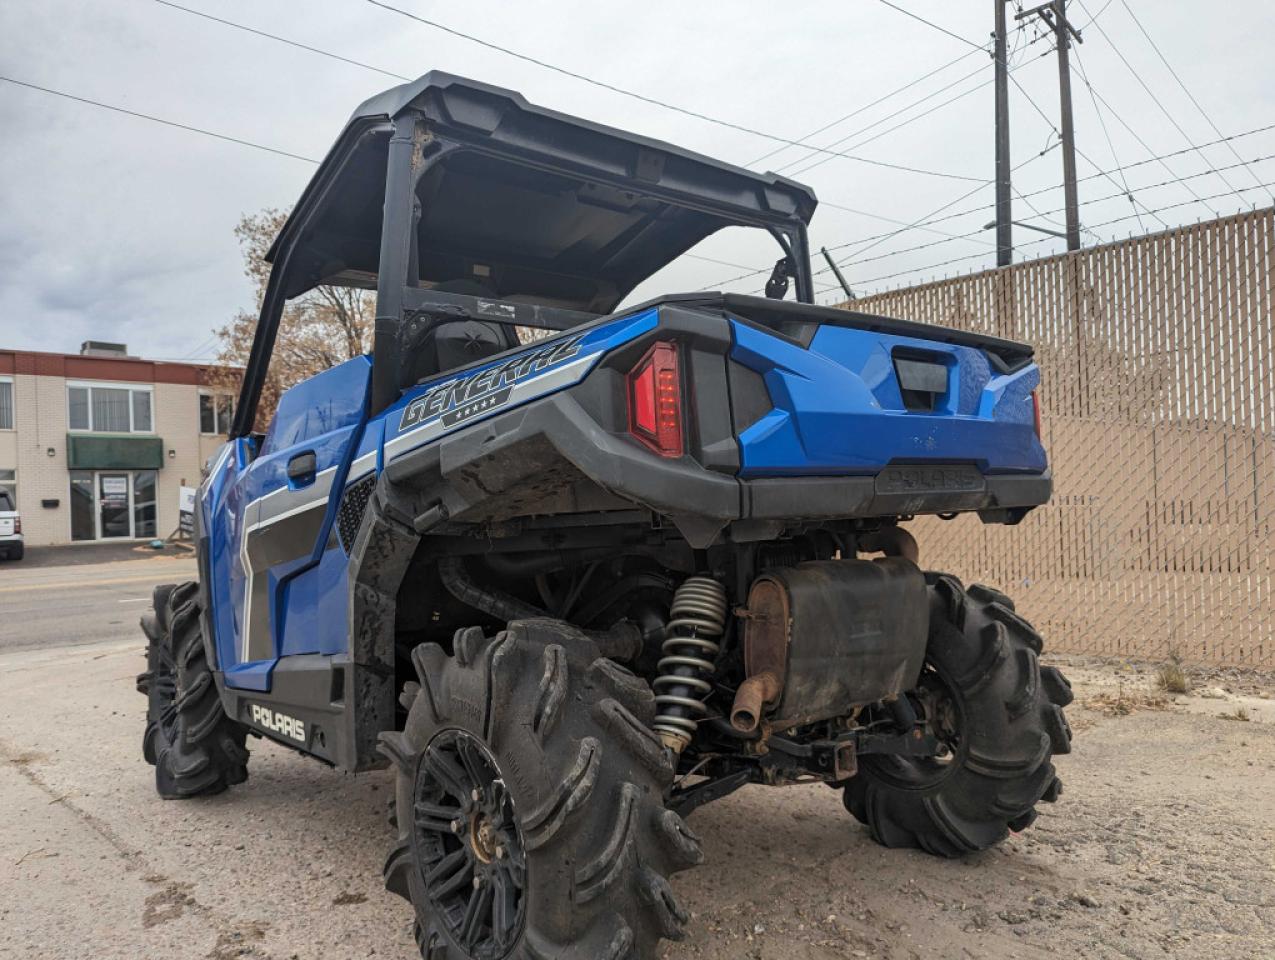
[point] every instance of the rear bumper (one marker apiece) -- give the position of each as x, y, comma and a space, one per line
540, 449
553, 453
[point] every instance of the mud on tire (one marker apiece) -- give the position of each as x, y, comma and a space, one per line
573, 782
1006, 711
195, 748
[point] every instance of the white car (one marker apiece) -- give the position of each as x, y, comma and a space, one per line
11, 545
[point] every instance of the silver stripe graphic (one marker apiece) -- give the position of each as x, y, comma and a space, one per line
523, 390
285, 496
359, 467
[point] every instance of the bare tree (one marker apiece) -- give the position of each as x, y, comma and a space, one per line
318, 330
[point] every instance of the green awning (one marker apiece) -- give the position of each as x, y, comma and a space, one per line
100, 451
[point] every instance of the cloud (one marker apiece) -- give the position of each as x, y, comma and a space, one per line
112, 227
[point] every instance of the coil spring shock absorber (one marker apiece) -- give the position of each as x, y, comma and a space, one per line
696, 620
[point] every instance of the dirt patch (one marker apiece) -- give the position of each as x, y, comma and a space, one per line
27, 757
1124, 702
167, 904
1239, 713
239, 942
1158, 848
347, 899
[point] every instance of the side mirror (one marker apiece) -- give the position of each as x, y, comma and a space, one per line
777, 285
302, 468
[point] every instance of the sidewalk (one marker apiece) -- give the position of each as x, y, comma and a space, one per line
74, 554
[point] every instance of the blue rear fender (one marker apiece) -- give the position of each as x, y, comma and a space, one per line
838, 408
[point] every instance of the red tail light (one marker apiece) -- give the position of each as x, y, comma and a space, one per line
655, 401
1036, 413
17, 524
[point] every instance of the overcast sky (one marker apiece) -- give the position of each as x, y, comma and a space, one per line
118, 228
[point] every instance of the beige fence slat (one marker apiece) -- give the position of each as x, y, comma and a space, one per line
1156, 358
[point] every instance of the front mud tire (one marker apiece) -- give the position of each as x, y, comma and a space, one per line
196, 749
573, 780
1007, 712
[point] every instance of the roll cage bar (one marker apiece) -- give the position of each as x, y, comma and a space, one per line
401, 190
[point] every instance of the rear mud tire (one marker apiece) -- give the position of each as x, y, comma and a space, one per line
587, 843
195, 748
1010, 724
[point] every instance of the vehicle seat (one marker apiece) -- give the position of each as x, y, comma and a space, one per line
448, 344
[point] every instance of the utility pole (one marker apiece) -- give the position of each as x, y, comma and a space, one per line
1004, 213
1054, 14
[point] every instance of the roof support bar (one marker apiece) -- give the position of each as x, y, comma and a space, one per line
254, 375
398, 227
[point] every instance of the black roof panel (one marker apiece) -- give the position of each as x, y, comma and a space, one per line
531, 202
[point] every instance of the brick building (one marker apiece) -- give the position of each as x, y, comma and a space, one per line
96, 445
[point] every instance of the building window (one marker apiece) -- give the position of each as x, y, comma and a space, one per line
83, 506
6, 403
216, 410
109, 409
113, 504
144, 503
9, 485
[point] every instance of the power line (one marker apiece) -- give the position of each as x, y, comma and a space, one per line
878, 238
921, 224
836, 143
1146, 146
866, 106
973, 235
928, 23
1034, 193
258, 146
578, 76
168, 123
1107, 223
950, 237
910, 120
1165, 156
1101, 11
951, 203
292, 43
347, 60
368, 66
877, 216
1068, 141
1044, 116
643, 98
1142, 83
1048, 213
1015, 80
1190, 96
1107, 134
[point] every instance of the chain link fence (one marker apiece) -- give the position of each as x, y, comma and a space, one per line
1158, 398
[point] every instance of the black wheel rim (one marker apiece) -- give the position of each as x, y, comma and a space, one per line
469, 850
163, 693
942, 710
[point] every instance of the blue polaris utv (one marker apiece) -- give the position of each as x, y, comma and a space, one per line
571, 586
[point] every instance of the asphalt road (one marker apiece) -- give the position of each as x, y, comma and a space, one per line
1161, 845
53, 605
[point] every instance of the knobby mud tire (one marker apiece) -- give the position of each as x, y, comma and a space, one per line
570, 735
1010, 723
195, 748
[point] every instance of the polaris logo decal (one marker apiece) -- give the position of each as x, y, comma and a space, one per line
279, 723
457, 400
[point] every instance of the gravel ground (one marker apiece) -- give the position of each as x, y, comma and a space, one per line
1162, 845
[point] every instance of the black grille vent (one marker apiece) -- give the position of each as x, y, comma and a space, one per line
353, 503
